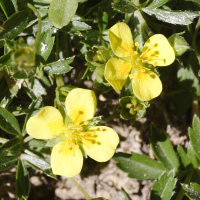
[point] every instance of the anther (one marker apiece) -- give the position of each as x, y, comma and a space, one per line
137, 44
143, 70
131, 76
86, 123
155, 64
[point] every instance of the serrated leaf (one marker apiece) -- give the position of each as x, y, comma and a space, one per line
52, 142
172, 17
59, 67
179, 44
8, 122
39, 164
62, 11
185, 162
125, 6
163, 150
22, 181
194, 134
157, 3
14, 25
45, 45
192, 190
162, 189
191, 156
138, 166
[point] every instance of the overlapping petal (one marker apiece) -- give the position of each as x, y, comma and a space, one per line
160, 51
48, 123
81, 105
121, 40
116, 72
146, 84
65, 161
102, 147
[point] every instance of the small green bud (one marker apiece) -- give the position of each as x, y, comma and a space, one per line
134, 101
132, 112
129, 105
139, 107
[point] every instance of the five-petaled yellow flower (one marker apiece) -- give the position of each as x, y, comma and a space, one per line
99, 142
156, 51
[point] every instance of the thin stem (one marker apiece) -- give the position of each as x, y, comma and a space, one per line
59, 78
186, 181
194, 43
80, 188
37, 14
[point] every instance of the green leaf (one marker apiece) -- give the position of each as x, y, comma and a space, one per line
59, 67
23, 74
9, 153
163, 187
22, 180
14, 25
127, 197
192, 156
157, 3
38, 88
8, 122
194, 135
62, 11
36, 143
45, 45
102, 18
52, 142
179, 44
195, 1
7, 7
99, 198
185, 162
5, 59
138, 166
172, 17
192, 190
164, 151
125, 6
38, 164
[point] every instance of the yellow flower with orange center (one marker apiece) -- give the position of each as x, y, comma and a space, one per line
130, 62
98, 142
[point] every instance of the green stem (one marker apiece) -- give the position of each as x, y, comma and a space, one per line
194, 43
59, 78
37, 14
80, 188
186, 181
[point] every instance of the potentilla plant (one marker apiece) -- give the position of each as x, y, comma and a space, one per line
75, 138
132, 63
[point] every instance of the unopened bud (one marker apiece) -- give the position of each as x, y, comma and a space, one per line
139, 107
132, 112
134, 101
129, 105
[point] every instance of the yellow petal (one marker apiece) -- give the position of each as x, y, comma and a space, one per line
81, 105
146, 84
158, 51
101, 147
116, 72
121, 40
48, 123
66, 161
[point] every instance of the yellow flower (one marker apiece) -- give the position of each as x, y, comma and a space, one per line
156, 51
98, 142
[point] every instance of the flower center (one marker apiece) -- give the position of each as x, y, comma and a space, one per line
76, 135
